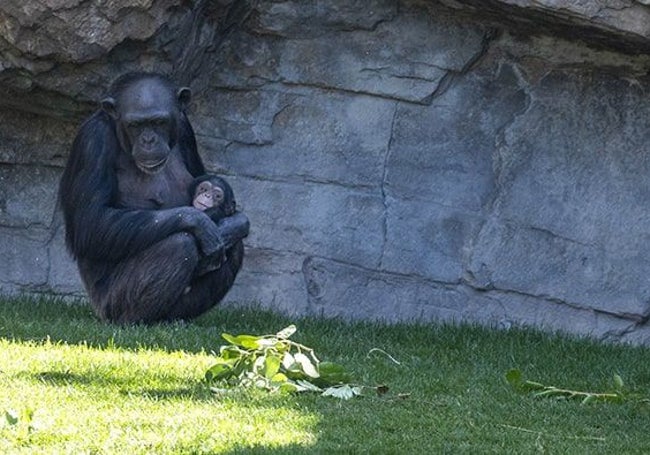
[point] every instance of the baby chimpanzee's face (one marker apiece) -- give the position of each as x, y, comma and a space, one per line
207, 195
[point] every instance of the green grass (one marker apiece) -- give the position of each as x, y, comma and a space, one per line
98, 388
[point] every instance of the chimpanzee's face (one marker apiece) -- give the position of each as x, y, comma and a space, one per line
146, 115
207, 196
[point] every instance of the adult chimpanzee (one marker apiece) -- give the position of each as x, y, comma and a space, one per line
141, 248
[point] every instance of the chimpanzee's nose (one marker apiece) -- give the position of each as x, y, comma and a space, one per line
148, 138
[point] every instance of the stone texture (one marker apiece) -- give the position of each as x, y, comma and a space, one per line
444, 155
315, 137
399, 159
312, 19
24, 266
350, 292
75, 30
423, 54
624, 24
45, 143
27, 195
273, 280
432, 245
578, 200
321, 219
63, 278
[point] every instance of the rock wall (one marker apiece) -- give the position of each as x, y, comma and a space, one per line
398, 160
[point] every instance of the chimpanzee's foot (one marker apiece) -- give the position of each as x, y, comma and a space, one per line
209, 264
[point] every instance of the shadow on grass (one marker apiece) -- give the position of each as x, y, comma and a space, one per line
198, 391
45, 318
62, 378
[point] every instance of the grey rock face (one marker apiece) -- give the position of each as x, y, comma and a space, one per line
571, 209
398, 160
622, 23
76, 30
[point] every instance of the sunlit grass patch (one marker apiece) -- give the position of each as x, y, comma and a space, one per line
71, 384
111, 400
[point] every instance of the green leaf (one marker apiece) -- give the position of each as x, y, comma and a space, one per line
249, 341
514, 377
291, 367
286, 332
288, 387
11, 416
242, 365
305, 363
333, 373
343, 392
271, 366
245, 341
219, 371
282, 346
270, 342
306, 386
229, 338
288, 361
279, 378
230, 352
618, 382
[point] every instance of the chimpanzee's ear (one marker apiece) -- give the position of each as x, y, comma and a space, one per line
184, 95
108, 106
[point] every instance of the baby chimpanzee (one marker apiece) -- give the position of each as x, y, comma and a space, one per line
214, 196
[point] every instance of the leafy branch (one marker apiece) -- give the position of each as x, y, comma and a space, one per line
278, 364
515, 378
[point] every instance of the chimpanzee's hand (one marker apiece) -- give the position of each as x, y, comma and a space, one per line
233, 228
215, 238
208, 235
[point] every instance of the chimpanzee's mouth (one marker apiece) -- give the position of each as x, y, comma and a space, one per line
151, 167
200, 205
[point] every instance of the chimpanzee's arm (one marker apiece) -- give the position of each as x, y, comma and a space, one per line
187, 141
